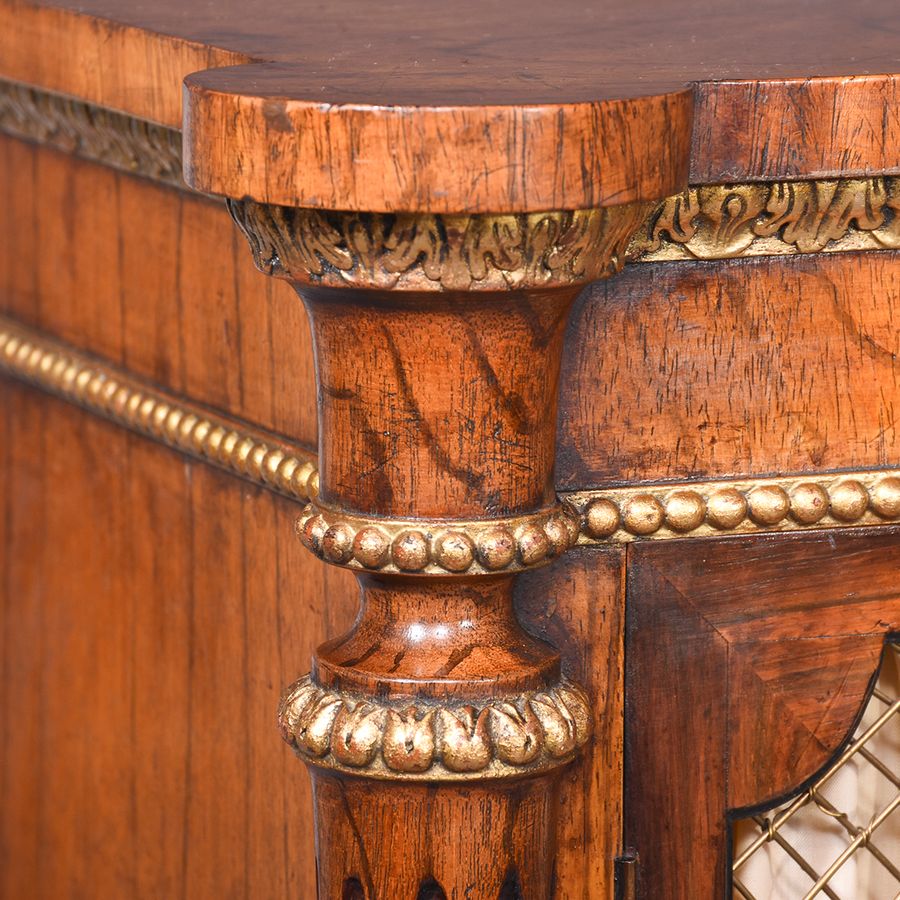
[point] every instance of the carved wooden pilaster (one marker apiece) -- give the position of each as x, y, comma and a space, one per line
437, 726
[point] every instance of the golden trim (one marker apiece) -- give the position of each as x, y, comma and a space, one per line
772, 219
437, 547
502, 737
422, 251
706, 222
108, 392
738, 506
868, 497
91, 132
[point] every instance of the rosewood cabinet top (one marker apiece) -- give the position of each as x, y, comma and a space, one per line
473, 106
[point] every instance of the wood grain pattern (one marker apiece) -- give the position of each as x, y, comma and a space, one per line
290, 149
772, 646
148, 608
796, 128
140, 755
448, 415
497, 368
577, 605
539, 85
466, 431
153, 610
705, 370
128, 277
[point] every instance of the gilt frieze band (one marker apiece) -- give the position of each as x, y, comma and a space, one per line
503, 737
703, 223
91, 132
772, 219
433, 252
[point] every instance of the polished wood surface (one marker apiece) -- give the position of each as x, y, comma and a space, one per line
765, 366
577, 605
467, 200
748, 663
151, 616
605, 122
399, 446
128, 274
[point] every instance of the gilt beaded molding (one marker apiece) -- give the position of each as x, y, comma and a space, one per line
402, 739
120, 398
705, 509
438, 547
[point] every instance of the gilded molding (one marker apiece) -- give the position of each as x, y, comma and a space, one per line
772, 219
437, 547
707, 509
122, 399
486, 251
429, 740
91, 132
433, 252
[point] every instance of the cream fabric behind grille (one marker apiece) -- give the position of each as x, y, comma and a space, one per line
782, 855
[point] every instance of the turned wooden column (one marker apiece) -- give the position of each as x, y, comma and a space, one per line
438, 248
436, 728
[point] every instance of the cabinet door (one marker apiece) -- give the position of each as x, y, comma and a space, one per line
749, 661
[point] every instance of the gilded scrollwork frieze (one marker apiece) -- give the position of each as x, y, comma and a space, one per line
772, 219
91, 132
432, 252
487, 251
501, 737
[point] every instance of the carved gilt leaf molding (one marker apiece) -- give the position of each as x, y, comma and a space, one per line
429, 252
91, 132
504, 737
772, 219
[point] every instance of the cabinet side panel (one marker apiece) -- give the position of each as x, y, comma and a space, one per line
153, 278
153, 610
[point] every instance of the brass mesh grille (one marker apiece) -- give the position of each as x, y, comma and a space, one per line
841, 838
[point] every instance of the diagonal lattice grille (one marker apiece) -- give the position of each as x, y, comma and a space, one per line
841, 838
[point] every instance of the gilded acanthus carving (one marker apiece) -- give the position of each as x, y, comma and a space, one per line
425, 547
485, 251
766, 219
427, 739
431, 252
82, 129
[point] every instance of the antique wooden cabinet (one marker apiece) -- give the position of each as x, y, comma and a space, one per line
591, 399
